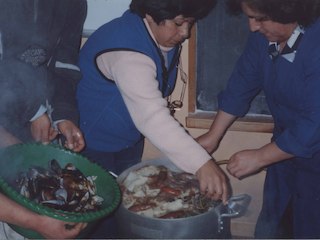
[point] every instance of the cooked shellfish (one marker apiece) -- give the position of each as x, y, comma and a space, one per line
156, 191
65, 188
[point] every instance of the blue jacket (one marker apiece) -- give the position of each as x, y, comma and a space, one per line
292, 93
104, 118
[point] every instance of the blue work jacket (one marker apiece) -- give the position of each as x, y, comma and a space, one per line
292, 91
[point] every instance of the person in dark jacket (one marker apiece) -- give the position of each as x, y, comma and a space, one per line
282, 58
39, 45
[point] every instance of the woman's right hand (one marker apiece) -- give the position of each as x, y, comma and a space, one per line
213, 181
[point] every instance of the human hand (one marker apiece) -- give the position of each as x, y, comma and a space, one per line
244, 163
42, 130
73, 135
213, 181
55, 229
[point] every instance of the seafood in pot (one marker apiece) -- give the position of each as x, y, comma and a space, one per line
156, 191
66, 189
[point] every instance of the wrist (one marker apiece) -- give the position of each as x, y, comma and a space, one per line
33, 222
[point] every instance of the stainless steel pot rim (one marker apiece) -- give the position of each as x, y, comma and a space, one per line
209, 212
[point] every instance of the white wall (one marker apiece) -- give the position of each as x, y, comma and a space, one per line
102, 11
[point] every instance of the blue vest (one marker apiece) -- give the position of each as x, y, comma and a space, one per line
104, 118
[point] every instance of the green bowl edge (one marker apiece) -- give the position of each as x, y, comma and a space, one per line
59, 214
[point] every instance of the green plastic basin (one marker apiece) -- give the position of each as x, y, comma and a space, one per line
19, 158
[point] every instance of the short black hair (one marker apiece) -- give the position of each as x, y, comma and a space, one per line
161, 10
304, 12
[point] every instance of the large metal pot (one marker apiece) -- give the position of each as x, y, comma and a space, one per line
212, 224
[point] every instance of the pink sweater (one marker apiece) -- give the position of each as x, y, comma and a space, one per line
135, 76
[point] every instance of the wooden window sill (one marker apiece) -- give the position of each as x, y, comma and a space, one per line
203, 120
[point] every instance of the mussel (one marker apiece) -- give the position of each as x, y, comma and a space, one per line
65, 188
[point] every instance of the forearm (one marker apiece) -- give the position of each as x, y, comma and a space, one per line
271, 153
13, 213
248, 162
211, 139
7, 139
220, 125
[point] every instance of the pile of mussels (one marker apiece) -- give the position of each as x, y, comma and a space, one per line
66, 189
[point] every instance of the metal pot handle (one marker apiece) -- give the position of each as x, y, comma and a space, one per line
236, 207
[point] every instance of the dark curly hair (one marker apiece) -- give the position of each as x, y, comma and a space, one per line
161, 10
304, 12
